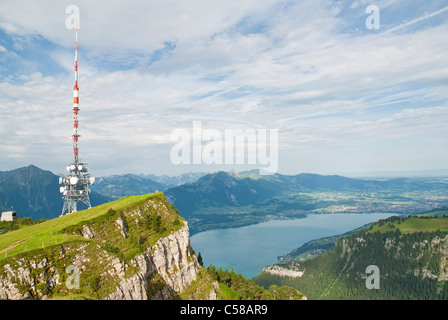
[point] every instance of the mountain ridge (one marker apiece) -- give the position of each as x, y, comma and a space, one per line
118, 186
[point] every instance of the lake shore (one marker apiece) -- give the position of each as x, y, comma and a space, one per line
249, 249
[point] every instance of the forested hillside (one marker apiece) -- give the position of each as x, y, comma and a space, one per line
412, 263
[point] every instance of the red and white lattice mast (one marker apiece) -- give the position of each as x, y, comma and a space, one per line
76, 183
76, 103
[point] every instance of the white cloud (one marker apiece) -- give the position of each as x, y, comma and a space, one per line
142, 25
275, 64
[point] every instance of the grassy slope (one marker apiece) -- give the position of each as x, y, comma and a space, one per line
49, 233
437, 213
25, 245
412, 224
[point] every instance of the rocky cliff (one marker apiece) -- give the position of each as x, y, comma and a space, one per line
141, 251
164, 271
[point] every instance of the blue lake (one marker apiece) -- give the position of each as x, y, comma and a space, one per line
249, 249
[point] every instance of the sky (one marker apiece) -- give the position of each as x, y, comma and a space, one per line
343, 97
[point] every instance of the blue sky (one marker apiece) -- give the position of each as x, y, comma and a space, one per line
343, 98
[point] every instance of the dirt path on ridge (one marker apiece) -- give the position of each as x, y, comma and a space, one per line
14, 245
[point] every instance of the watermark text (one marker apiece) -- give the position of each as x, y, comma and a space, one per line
233, 146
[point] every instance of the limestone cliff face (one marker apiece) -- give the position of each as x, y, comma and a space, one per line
102, 264
171, 258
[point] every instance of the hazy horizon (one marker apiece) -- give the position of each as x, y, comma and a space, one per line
372, 174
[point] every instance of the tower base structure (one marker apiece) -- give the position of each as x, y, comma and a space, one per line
75, 189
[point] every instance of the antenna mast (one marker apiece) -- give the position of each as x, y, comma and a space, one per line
76, 183
75, 135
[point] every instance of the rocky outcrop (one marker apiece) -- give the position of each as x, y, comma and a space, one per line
124, 228
283, 270
171, 259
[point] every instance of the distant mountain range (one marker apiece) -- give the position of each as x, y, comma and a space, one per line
229, 199
174, 181
399, 174
34, 192
223, 189
226, 199
118, 186
232, 189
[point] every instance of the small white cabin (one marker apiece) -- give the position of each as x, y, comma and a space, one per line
9, 216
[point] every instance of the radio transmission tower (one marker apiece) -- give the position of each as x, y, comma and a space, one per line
75, 189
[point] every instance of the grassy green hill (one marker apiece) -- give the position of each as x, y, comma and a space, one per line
436, 213
102, 242
410, 225
54, 231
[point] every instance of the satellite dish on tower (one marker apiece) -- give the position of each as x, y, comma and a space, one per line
74, 180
